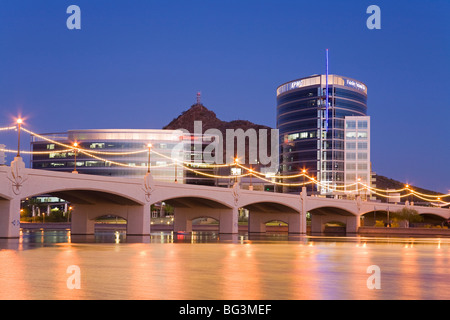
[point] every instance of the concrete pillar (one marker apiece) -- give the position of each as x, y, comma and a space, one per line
181, 220
303, 212
353, 224
295, 223
228, 222
227, 217
83, 220
138, 222
316, 224
10, 218
255, 224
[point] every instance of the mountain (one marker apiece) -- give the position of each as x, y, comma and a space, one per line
198, 112
209, 120
385, 183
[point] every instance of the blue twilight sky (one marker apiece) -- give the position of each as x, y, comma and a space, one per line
139, 64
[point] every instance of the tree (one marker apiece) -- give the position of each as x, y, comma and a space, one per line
407, 214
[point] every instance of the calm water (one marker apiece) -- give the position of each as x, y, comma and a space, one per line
205, 266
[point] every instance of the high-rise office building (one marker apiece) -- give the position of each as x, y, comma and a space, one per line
357, 155
311, 123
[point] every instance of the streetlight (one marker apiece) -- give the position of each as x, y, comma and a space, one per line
149, 151
75, 166
68, 213
19, 123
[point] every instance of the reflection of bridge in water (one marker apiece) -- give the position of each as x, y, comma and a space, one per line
96, 196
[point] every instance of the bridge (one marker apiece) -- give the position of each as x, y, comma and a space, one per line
96, 196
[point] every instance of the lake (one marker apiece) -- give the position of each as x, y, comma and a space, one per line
206, 265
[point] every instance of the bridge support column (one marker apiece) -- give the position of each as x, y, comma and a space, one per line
295, 223
138, 222
353, 224
10, 218
228, 222
257, 221
182, 221
83, 220
316, 224
227, 217
303, 199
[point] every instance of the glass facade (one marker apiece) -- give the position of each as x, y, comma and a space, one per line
126, 144
312, 133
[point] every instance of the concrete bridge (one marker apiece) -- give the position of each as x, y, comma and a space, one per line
96, 196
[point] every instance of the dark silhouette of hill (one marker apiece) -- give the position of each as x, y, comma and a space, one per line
385, 183
198, 112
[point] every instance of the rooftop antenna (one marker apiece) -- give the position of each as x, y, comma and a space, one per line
199, 94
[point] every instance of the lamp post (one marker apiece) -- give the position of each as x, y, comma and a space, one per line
75, 163
19, 123
68, 213
149, 151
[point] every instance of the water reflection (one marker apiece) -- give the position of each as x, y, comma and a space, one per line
208, 265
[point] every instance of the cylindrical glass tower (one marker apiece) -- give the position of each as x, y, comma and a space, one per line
309, 139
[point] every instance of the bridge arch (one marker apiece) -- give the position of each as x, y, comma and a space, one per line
370, 218
442, 215
192, 201
274, 206
263, 212
433, 218
323, 215
87, 195
4, 197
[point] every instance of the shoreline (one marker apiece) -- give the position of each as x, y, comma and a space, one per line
364, 231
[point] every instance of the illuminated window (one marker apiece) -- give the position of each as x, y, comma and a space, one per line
97, 146
236, 171
362, 135
351, 135
57, 155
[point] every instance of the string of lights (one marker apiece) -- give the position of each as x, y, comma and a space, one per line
119, 163
8, 128
303, 174
81, 149
200, 164
35, 152
249, 171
